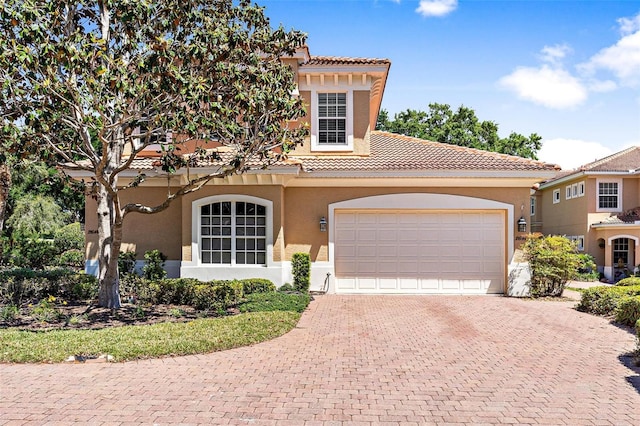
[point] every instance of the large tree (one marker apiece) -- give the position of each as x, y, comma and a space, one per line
92, 84
461, 127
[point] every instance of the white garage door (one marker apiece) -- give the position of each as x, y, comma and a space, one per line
419, 252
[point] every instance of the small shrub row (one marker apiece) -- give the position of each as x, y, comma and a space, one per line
211, 295
605, 300
18, 286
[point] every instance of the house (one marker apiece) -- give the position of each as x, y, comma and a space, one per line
378, 212
598, 206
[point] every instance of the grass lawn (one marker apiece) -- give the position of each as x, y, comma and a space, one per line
146, 341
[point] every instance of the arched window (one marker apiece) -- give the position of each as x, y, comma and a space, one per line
233, 232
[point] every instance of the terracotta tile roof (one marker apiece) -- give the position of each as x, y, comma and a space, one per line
392, 152
630, 216
340, 60
623, 161
147, 163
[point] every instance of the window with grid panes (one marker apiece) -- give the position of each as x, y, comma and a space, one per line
332, 118
621, 250
233, 232
608, 195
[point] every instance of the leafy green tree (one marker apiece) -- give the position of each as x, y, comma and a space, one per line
36, 216
96, 82
461, 127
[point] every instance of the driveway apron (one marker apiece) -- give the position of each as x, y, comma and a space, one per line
363, 360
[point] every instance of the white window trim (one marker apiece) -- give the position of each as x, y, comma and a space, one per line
581, 189
567, 192
598, 182
556, 196
315, 145
195, 229
532, 207
574, 190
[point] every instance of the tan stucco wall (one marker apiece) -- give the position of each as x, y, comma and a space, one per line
141, 232
307, 205
568, 217
296, 215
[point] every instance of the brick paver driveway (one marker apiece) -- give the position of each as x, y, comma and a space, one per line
363, 360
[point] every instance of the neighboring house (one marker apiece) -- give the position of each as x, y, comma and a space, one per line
378, 212
598, 206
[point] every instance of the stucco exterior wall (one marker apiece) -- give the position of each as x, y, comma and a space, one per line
141, 232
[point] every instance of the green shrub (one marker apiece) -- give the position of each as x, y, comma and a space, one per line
275, 301
154, 268
9, 313
69, 237
553, 261
627, 311
286, 287
301, 269
71, 258
629, 281
134, 287
211, 297
126, 263
35, 253
22, 284
176, 291
586, 268
603, 300
257, 285
83, 287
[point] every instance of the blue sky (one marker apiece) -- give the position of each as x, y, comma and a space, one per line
568, 70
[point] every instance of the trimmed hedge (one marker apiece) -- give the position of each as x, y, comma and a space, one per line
603, 300
301, 270
628, 310
20, 285
629, 281
210, 295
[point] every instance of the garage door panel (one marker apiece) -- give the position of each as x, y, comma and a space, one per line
408, 283
419, 252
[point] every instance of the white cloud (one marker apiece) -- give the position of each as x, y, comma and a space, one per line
622, 59
436, 7
547, 86
553, 54
629, 25
601, 86
571, 153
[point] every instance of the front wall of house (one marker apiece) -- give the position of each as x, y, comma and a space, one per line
568, 216
142, 232
305, 207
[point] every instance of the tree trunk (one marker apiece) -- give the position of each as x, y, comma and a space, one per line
5, 185
109, 241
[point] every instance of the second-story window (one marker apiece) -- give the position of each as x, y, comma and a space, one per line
332, 118
608, 195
